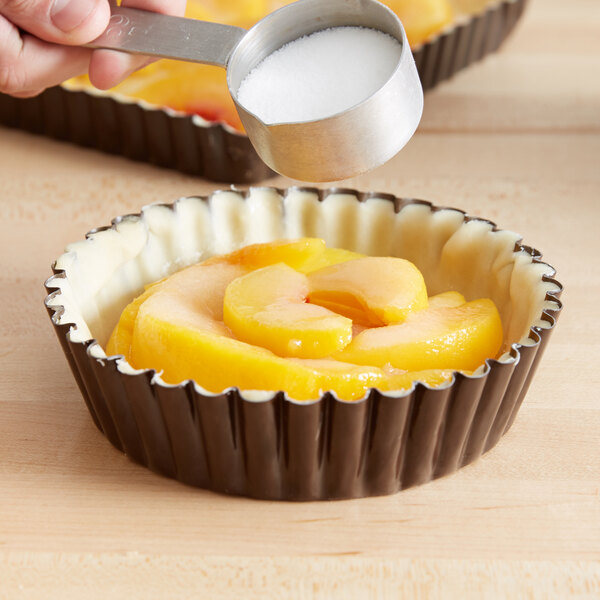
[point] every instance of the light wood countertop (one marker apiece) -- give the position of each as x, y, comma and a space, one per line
515, 139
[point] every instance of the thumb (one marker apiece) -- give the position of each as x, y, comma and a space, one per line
71, 22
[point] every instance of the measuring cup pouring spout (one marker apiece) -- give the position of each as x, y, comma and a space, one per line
336, 147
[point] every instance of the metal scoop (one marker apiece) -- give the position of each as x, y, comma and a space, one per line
336, 147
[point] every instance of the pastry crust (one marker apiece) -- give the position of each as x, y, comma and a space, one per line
265, 444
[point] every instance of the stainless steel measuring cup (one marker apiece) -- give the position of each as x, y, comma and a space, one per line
336, 147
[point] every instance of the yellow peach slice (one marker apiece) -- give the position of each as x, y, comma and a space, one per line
179, 336
446, 299
267, 307
120, 340
207, 302
218, 362
348, 382
372, 291
197, 324
293, 253
329, 256
423, 18
303, 254
460, 337
403, 380
175, 328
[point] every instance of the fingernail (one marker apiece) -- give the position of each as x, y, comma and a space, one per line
67, 15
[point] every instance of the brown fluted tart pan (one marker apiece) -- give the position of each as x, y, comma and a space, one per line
268, 445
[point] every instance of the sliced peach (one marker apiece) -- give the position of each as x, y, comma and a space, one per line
423, 18
303, 254
186, 326
352, 382
120, 340
293, 253
446, 299
403, 380
309, 253
179, 335
329, 256
203, 288
176, 327
460, 337
218, 362
268, 308
372, 291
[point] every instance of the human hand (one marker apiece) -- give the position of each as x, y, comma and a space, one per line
40, 43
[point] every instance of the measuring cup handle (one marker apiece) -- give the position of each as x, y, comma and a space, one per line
142, 32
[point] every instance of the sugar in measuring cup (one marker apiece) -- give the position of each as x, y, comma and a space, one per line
326, 89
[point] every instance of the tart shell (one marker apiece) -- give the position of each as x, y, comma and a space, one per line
265, 444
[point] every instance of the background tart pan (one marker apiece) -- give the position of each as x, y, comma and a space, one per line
214, 151
264, 444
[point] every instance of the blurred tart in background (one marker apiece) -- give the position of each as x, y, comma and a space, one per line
202, 90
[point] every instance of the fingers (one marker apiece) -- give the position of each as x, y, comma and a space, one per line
71, 22
28, 65
107, 67
31, 63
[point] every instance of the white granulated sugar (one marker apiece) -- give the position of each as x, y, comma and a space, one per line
319, 75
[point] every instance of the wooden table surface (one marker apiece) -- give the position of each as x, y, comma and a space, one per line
515, 139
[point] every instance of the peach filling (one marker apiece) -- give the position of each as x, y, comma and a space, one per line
300, 317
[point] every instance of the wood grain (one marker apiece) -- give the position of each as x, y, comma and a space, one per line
515, 139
